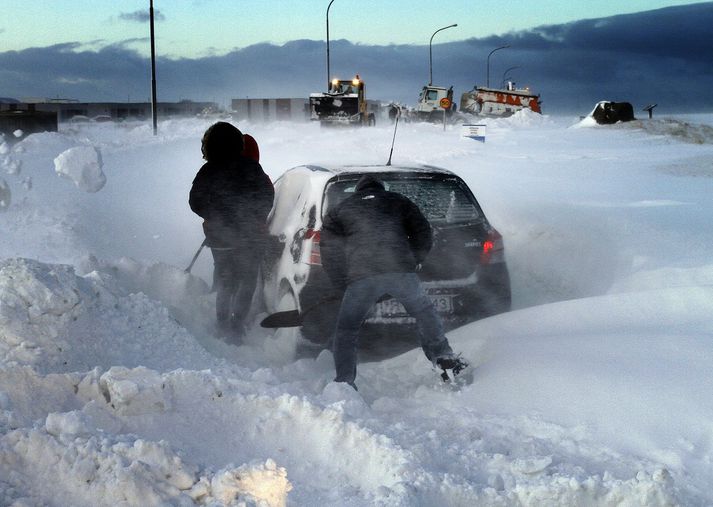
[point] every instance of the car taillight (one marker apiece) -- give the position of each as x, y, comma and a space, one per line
315, 257
493, 248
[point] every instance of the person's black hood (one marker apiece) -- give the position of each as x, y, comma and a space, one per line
369, 182
222, 142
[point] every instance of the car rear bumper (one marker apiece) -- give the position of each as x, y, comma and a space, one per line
455, 305
457, 302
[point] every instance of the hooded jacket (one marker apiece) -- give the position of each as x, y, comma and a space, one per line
373, 232
234, 198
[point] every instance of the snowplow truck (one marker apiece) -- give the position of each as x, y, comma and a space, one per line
493, 102
344, 104
433, 101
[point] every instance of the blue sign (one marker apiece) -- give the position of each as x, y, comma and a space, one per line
474, 131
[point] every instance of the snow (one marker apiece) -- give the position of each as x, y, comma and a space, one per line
5, 195
82, 165
594, 390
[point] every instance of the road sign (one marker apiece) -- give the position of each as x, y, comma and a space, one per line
445, 103
474, 131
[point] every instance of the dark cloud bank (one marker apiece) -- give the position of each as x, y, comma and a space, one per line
663, 56
142, 16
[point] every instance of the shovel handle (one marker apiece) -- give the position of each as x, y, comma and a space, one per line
195, 257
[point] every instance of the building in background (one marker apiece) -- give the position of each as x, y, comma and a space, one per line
18, 120
69, 109
294, 110
269, 110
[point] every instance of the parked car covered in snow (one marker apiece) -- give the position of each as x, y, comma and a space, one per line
607, 113
465, 273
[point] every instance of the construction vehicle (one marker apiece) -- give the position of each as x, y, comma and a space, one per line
493, 102
433, 101
344, 104
435, 104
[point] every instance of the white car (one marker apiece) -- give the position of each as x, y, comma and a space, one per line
465, 273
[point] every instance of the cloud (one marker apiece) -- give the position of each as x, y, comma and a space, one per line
669, 32
125, 43
656, 56
142, 16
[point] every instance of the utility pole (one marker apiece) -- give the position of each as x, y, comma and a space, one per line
153, 71
502, 83
430, 53
329, 77
487, 79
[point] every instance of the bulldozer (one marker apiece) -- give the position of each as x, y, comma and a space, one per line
343, 104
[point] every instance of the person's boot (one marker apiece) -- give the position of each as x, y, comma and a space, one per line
222, 328
452, 363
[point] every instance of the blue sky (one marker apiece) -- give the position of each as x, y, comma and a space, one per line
195, 28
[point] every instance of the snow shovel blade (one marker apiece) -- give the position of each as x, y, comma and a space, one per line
289, 318
293, 318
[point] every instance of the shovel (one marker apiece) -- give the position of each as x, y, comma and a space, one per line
195, 257
293, 318
288, 318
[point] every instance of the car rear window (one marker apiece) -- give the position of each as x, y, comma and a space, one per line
440, 199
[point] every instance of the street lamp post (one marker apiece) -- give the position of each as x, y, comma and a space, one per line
502, 83
329, 77
153, 71
430, 53
487, 80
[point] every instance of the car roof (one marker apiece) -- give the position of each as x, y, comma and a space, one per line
345, 170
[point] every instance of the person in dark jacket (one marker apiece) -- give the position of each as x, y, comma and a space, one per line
372, 243
234, 196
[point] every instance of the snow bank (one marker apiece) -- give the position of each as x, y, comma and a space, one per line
636, 333
671, 129
187, 297
524, 118
10, 165
5, 195
586, 122
678, 130
82, 165
96, 470
56, 321
52, 323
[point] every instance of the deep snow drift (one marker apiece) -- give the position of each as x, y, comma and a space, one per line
594, 390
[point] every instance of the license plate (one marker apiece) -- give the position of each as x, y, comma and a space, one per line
392, 308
